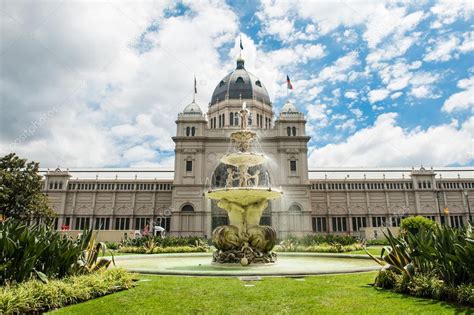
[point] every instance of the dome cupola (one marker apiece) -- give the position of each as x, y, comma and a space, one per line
192, 109
240, 84
289, 108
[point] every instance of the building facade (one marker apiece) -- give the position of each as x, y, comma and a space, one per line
315, 201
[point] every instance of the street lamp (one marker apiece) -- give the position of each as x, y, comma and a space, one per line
468, 205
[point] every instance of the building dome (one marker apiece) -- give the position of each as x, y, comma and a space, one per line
289, 108
192, 109
240, 84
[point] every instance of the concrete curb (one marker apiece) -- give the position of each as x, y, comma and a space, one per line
252, 273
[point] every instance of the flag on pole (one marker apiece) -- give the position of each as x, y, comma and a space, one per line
241, 46
195, 86
288, 83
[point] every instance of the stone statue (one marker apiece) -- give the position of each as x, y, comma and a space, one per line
230, 177
243, 116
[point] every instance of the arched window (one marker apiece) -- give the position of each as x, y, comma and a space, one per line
293, 166
193, 131
231, 119
60, 185
258, 83
55, 185
187, 208
236, 119
295, 208
188, 130
294, 131
221, 83
239, 80
288, 131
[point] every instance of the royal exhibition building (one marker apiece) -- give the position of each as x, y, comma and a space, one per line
320, 200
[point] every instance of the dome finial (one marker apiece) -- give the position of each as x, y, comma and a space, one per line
240, 63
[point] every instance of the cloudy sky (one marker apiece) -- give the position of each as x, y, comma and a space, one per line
99, 84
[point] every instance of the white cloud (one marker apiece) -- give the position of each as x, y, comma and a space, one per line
450, 47
357, 112
387, 144
318, 116
105, 73
378, 95
347, 125
468, 43
420, 92
399, 76
461, 100
339, 70
396, 95
352, 94
443, 51
447, 12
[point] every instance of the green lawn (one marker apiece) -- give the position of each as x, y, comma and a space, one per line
374, 250
332, 294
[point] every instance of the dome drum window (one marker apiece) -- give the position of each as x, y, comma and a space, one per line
187, 208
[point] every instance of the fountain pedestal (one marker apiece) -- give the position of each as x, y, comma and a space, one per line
244, 197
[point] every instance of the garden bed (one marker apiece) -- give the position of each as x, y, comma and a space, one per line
34, 296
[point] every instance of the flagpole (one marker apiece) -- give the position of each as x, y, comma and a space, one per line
240, 47
194, 90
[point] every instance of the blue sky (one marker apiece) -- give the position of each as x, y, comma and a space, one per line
381, 84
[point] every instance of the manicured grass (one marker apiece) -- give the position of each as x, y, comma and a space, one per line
374, 250
331, 294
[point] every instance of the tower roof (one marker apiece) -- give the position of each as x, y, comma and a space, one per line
240, 84
289, 108
192, 109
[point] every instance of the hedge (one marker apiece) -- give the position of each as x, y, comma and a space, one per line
162, 250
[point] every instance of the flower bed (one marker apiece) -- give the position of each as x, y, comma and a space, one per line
435, 262
36, 296
320, 248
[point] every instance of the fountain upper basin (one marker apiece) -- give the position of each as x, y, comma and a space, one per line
244, 196
243, 159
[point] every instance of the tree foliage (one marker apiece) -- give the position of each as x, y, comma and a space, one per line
20, 189
416, 223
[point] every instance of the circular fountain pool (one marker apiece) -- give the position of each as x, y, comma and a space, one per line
289, 264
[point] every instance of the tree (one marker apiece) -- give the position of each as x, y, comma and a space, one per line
414, 224
20, 190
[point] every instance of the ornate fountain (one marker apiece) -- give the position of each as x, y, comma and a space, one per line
243, 189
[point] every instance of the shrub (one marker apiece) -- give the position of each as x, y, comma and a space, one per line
436, 262
386, 279
35, 297
27, 251
112, 245
465, 294
314, 239
162, 250
414, 224
39, 251
167, 241
318, 248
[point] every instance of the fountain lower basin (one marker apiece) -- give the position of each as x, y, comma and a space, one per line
289, 264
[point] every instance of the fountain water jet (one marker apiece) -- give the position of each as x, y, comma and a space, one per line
244, 197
